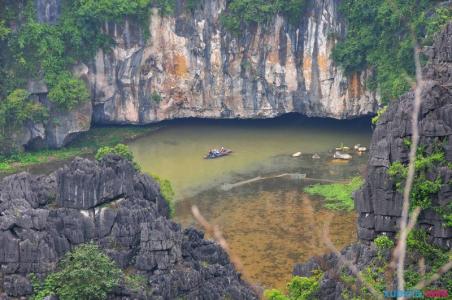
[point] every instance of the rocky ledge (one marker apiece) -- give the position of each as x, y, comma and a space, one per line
121, 210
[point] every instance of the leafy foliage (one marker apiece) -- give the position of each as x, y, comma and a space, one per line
246, 12
15, 110
299, 288
120, 149
68, 91
338, 196
383, 243
380, 112
379, 37
423, 187
84, 273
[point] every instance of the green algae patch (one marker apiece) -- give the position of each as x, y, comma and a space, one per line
338, 196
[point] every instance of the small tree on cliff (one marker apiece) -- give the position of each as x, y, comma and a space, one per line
84, 273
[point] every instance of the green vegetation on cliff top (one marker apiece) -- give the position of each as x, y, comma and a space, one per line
379, 39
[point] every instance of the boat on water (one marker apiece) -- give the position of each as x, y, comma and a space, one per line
218, 153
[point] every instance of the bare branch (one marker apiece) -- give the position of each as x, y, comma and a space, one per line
423, 283
326, 239
215, 232
401, 245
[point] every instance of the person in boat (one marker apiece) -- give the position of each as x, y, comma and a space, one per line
222, 150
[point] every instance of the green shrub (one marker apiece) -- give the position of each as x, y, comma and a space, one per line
299, 288
338, 196
423, 188
274, 294
15, 111
167, 192
383, 242
68, 92
83, 273
120, 149
380, 112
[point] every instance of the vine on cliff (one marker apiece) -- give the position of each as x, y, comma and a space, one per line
424, 185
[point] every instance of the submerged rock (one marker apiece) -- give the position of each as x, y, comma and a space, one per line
108, 202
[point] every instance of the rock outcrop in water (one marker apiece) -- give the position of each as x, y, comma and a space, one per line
190, 66
43, 217
379, 204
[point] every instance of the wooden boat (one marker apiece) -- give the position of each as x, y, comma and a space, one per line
225, 152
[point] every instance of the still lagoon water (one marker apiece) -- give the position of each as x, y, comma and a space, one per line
256, 194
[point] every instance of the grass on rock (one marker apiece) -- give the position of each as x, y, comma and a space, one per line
86, 144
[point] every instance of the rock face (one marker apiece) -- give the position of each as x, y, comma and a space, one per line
191, 67
378, 203
108, 202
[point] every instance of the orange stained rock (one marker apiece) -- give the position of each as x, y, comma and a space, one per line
322, 60
354, 87
179, 65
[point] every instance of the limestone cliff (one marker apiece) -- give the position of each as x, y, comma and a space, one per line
192, 67
108, 202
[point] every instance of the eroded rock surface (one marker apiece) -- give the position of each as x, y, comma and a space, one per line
43, 217
379, 203
192, 67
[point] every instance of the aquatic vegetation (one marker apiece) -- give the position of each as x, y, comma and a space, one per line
299, 288
338, 196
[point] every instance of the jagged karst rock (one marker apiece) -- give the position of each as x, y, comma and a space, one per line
378, 202
43, 217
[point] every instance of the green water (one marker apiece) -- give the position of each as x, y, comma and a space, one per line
269, 222
176, 151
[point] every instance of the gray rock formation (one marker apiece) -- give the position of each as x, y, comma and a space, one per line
379, 204
192, 67
108, 202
